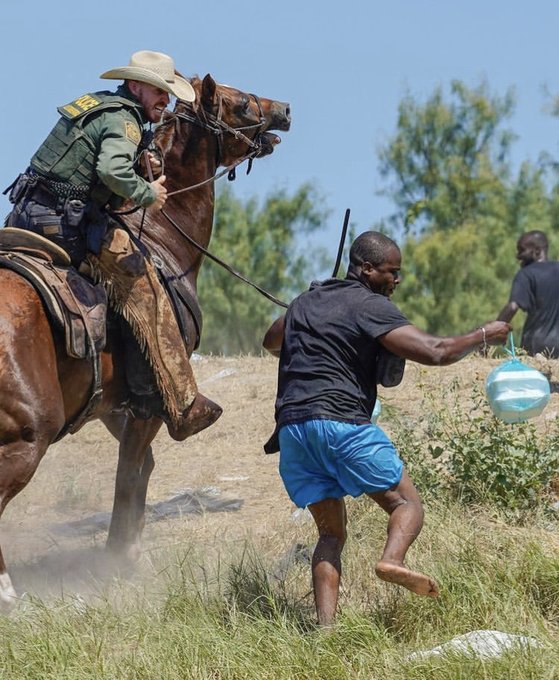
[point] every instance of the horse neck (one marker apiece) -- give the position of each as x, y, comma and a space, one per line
190, 161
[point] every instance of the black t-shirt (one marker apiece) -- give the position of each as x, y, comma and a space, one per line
328, 358
535, 289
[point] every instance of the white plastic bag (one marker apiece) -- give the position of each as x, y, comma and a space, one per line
516, 392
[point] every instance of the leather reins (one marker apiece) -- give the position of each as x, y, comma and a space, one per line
218, 127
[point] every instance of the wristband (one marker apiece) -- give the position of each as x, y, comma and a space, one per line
484, 340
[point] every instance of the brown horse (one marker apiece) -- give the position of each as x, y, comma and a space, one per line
42, 389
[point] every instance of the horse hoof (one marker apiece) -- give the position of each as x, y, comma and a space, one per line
8, 596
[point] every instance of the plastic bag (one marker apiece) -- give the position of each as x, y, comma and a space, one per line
376, 412
516, 392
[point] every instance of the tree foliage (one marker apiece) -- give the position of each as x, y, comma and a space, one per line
260, 242
460, 206
447, 156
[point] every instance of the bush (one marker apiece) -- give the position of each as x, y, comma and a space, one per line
477, 457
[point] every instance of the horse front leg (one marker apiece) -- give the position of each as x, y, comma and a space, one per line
8, 595
135, 465
18, 462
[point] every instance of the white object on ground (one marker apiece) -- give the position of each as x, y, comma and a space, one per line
301, 515
220, 374
481, 644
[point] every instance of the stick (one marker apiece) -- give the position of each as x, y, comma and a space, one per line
342, 242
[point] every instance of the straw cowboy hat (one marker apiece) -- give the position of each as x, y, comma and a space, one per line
154, 68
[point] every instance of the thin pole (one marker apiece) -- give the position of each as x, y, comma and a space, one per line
342, 242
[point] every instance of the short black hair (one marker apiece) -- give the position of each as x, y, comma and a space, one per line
536, 238
371, 246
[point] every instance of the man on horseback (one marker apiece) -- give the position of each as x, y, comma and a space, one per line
87, 168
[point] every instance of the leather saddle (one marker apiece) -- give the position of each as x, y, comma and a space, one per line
77, 306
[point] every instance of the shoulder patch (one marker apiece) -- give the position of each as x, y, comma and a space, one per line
132, 131
80, 105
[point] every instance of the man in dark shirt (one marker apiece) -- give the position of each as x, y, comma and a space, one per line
535, 290
333, 344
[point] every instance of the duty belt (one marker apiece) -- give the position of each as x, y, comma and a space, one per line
53, 194
43, 195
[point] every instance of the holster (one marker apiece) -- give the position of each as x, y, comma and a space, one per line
19, 187
96, 226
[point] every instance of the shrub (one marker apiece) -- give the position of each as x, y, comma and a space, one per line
457, 444
489, 461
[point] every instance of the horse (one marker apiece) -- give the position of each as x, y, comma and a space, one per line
42, 389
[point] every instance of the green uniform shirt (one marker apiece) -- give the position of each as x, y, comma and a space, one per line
94, 145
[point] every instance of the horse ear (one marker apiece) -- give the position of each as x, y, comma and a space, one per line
208, 89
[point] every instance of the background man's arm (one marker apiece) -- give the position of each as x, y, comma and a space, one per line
508, 311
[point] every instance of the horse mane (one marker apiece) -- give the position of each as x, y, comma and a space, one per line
165, 134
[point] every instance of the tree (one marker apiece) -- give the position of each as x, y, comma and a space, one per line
459, 206
447, 156
259, 242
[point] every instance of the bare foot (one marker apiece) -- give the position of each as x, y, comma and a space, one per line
412, 580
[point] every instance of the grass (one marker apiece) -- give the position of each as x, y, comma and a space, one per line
246, 610
237, 620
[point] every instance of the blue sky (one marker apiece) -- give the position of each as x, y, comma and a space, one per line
343, 67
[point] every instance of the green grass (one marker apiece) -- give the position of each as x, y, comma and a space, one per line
237, 614
236, 620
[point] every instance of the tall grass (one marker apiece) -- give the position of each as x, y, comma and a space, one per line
237, 619
247, 612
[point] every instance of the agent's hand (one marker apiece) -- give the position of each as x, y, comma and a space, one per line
154, 164
496, 332
158, 186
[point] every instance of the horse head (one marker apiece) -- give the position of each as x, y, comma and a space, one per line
243, 115
240, 124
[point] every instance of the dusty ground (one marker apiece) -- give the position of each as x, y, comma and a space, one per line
53, 532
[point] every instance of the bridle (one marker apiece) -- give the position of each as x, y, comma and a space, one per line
217, 126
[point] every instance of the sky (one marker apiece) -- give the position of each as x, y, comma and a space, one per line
343, 67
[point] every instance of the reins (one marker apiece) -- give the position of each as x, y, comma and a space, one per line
217, 126
223, 264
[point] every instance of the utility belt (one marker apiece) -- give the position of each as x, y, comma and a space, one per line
49, 193
75, 218
43, 195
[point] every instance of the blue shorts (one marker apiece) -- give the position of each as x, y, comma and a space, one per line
328, 459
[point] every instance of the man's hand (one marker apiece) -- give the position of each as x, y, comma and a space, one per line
496, 332
158, 186
154, 164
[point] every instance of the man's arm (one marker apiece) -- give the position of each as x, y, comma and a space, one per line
274, 337
412, 343
118, 145
508, 311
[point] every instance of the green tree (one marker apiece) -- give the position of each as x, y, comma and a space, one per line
260, 242
447, 157
459, 206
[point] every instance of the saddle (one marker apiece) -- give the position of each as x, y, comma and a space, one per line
74, 306
154, 308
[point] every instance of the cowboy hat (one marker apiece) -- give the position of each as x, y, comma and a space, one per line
154, 68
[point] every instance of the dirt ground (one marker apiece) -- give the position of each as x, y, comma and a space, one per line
216, 488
